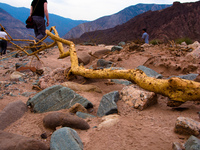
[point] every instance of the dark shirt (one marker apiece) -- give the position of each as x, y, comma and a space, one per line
39, 9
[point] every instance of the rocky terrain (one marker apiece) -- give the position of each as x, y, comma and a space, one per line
39, 103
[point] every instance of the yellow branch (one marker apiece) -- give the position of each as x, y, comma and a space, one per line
178, 90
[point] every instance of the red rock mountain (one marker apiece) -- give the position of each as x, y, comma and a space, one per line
178, 21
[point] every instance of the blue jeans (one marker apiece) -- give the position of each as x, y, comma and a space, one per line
39, 27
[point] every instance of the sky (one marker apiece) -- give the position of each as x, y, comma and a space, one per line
87, 9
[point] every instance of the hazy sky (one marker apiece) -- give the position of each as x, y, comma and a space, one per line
87, 9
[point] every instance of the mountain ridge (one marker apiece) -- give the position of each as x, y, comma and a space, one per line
13, 26
63, 25
178, 21
111, 21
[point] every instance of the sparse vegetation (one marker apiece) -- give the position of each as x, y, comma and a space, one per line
155, 42
186, 40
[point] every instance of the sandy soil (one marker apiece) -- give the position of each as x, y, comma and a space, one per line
150, 129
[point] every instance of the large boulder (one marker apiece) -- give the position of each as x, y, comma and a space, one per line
149, 72
55, 98
193, 143
108, 104
65, 139
83, 58
187, 77
11, 113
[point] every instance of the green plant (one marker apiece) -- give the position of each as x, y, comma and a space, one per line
155, 42
186, 40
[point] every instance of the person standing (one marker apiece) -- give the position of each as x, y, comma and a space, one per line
145, 36
3, 43
38, 12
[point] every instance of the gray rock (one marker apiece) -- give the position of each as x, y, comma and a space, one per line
27, 94
55, 98
4, 59
192, 143
187, 77
149, 72
84, 115
65, 139
18, 65
122, 43
108, 104
11, 113
103, 63
117, 68
10, 141
124, 82
116, 48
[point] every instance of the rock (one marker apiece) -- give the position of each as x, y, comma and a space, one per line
101, 53
122, 43
184, 43
10, 141
18, 65
84, 115
11, 113
27, 94
108, 104
145, 45
149, 72
125, 82
109, 121
57, 119
117, 68
77, 107
55, 98
194, 45
137, 97
109, 47
15, 76
187, 126
65, 139
116, 48
194, 55
177, 146
192, 143
83, 57
43, 135
101, 63
197, 78
26, 69
80, 87
187, 77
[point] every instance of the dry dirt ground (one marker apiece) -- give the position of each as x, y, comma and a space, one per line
150, 129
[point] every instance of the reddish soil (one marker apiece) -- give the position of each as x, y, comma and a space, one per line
150, 129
